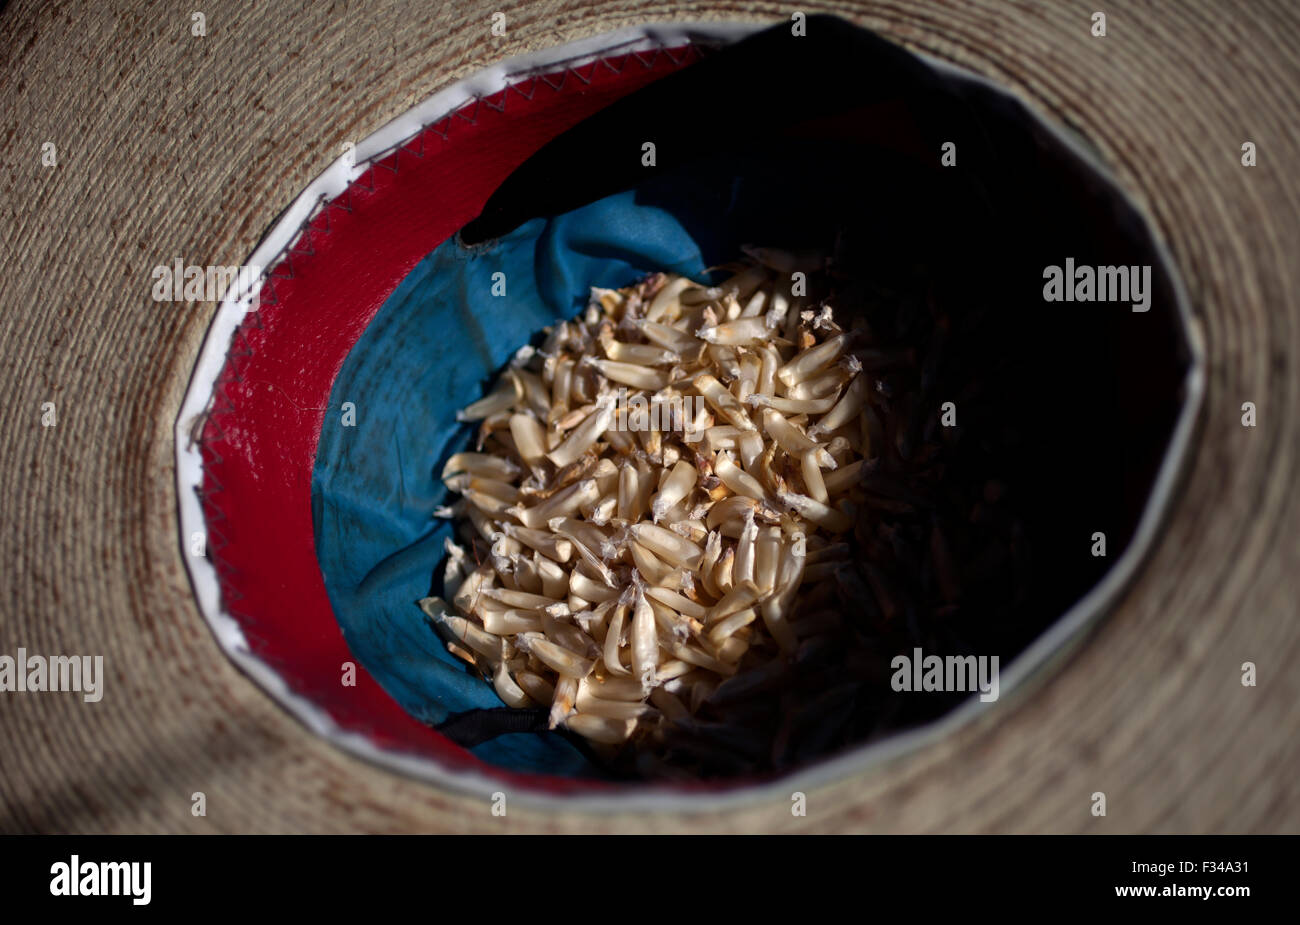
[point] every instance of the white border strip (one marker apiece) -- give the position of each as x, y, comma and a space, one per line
634, 798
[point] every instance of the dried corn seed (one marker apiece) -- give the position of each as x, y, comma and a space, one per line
484, 465
789, 437
742, 569
469, 591
700, 658
812, 477
722, 401
633, 554
669, 338
561, 387
741, 332
645, 642
509, 622
559, 505
569, 637
481, 641
567, 663
652, 570
613, 641
585, 435
536, 687
693, 530
683, 605
751, 448
589, 589
843, 478
635, 354
745, 594
670, 706
793, 405
673, 548
737, 479
530, 438
614, 688
463, 654
548, 544
720, 631
819, 386
637, 376
509, 391
511, 694
722, 571
736, 507
812, 360
675, 487
601, 729
487, 503
664, 301
521, 599
612, 709
757, 305
821, 514
767, 558
848, 407
566, 694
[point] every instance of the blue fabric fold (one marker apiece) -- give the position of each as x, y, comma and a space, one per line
433, 347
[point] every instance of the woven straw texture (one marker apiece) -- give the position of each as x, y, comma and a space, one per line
171, 145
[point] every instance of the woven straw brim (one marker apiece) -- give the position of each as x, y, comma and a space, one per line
174, 146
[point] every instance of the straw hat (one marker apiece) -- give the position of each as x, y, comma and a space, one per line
165, 143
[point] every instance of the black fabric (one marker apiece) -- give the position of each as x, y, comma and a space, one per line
835, 82
474, 727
